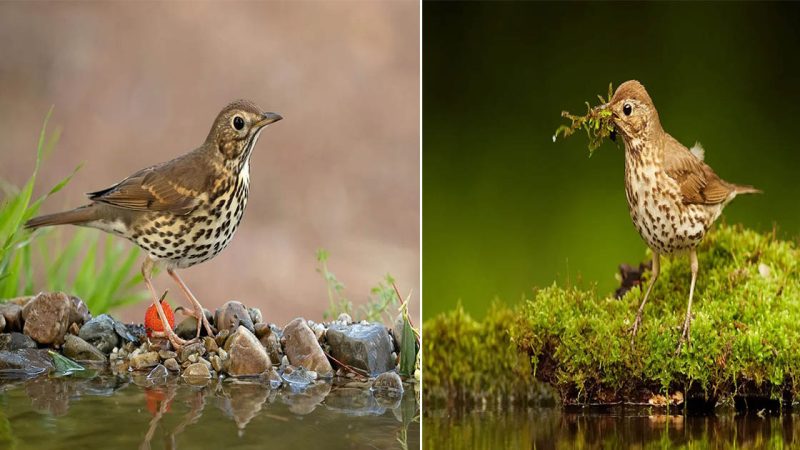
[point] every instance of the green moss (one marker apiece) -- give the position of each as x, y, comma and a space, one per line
745, 333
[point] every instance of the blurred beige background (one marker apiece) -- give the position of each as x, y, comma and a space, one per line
135, 84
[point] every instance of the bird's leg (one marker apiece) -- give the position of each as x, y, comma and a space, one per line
198, 309
653, 278
147, 269
687, 323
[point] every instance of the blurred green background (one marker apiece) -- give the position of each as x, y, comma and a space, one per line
506, 210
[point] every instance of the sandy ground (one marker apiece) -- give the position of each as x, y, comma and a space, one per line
135, 84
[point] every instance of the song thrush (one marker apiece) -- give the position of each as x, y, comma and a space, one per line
673, 196
182, 212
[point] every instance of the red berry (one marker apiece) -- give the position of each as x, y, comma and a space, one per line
153, 323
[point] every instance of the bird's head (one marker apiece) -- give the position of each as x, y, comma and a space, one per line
236, 129
633, 112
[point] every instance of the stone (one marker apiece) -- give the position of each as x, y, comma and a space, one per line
246, 355
187, 328
197, 370
388, 384
216, 363
344, 318
261, 329
80, 350
15, 341
2, 323
12, 313
47, 318
270, 342
78, 311
195, 348
100, 332
167, 354
303, 349
299, 377
364, 346
255, 315
222, 336
172, 365
27, 361
210, 344
143, 360
231, 315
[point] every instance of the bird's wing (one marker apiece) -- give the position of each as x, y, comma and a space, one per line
697, 181
156, 188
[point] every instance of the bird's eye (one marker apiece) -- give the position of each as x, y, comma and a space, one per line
238, 123
627, 108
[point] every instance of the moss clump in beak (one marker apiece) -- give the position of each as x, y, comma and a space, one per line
597, 122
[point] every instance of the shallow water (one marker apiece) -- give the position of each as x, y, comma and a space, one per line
554, 428
132, 412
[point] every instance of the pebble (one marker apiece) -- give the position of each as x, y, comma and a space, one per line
216, 363
197, 370
210, 344
344, 318
195, 348
143, 360
15, 341
79, 313
167, 354
187, 328
12, 314
47, 318
365, 346
303, 349
172, 365
100, 332
255, 315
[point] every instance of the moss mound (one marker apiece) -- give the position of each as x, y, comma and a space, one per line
745, 335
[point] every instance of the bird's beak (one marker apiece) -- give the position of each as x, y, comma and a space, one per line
269, 118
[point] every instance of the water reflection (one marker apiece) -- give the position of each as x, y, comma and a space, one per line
553, 428
111, 411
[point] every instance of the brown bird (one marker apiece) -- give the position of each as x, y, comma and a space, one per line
673, 196
182, 212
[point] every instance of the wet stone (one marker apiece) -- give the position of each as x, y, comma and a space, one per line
246, 355
231, 315
80, 350
15, 341
27, 360
78, 312
167, 354
303, 349
143, 360
46, 318
197, 370
365, 346
100, 332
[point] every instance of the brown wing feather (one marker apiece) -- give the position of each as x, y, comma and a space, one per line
158, 188
697, 181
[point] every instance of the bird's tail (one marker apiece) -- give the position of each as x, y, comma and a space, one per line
76, 216
741, 189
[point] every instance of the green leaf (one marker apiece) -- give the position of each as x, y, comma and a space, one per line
64, 365
408, 352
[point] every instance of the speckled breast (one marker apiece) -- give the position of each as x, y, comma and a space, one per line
183, 241
656, 206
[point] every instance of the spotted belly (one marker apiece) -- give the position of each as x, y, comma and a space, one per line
665, 223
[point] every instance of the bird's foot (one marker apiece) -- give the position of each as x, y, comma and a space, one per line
635, 328
176, 341
686, 334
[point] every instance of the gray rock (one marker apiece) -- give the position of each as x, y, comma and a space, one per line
303, 349
344, 318
12, 313
246, 355
255, 315
26, 361
172, 365
187, 328
15, 341
365, 346
47, 317
80, 350
195, 348
388, 384
144, 360
100, 332
197, 370
232, 314
78, 311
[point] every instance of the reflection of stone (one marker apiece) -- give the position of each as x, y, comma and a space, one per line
51, 394
243, 401
354, 401
305, 401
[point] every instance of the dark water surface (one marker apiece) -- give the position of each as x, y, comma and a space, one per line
555, 428
123, 412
